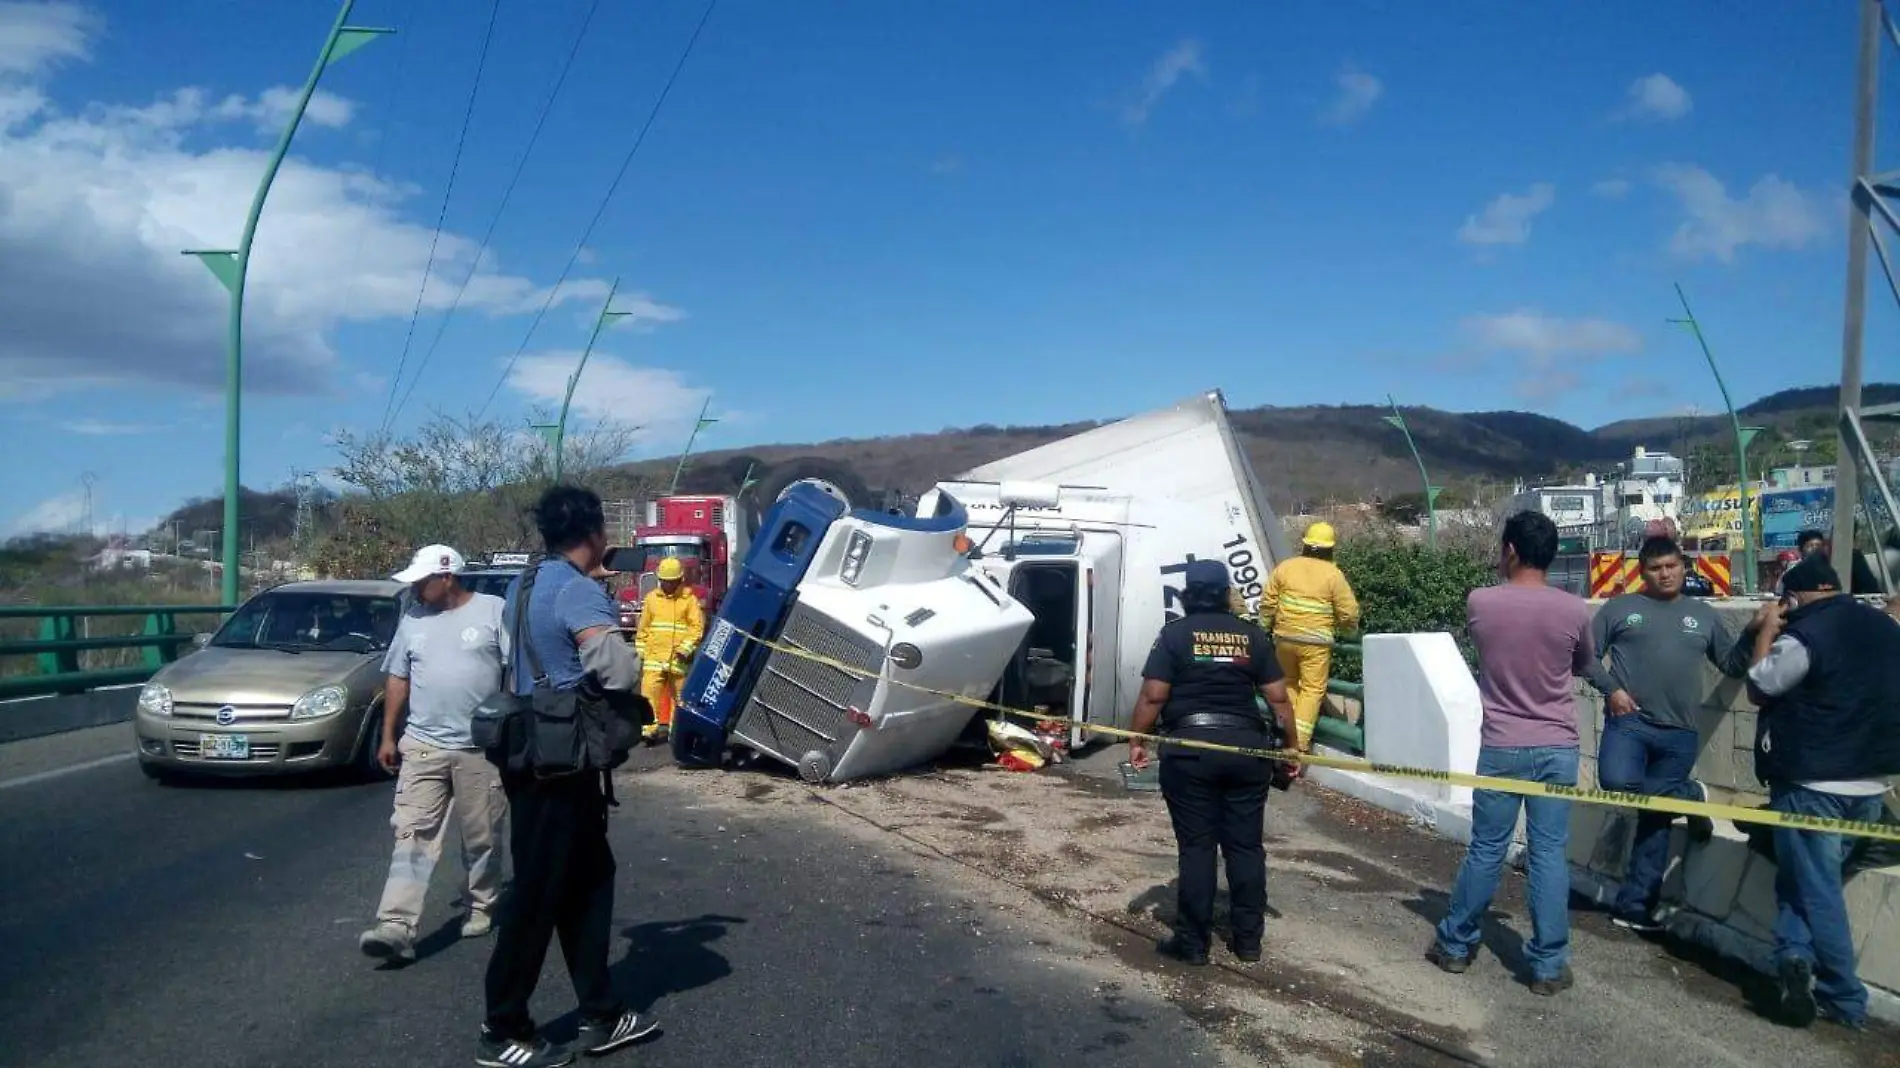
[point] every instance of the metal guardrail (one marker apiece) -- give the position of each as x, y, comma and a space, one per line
62, 638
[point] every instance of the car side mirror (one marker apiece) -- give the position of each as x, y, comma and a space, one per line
199, 641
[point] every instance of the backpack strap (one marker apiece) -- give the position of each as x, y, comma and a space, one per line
521, 637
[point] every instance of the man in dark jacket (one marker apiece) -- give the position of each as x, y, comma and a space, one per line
1826, 672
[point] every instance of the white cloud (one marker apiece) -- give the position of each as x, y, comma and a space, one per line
1357, 92
1611, 188
1184, 58
59, 514
35, 36
1507, 219
1775, 214
1657, 97
96, 205
658, 401
271, 110
1546, 351
101, 428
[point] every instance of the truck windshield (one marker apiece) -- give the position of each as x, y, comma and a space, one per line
298, 622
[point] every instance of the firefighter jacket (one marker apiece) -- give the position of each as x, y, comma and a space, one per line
670, 628
1307, 601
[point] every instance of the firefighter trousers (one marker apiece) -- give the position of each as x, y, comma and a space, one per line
1306, 668
660, 685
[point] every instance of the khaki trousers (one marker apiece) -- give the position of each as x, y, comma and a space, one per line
429, 783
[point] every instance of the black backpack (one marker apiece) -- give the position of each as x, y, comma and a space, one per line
550, 732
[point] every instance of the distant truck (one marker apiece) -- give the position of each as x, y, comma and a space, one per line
1070, 556
709, 534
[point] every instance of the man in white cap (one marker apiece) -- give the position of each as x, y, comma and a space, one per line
444, 660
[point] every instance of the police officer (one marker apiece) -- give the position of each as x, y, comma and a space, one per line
1200, 683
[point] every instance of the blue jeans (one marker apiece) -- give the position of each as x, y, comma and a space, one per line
1547, 827
1811, 913
1637, 756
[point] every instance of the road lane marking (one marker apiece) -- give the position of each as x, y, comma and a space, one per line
42, 776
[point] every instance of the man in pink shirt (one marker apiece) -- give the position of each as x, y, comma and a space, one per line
1533, 640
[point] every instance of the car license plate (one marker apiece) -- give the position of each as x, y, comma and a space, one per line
224, 746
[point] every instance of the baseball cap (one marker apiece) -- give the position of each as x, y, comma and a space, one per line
1207, 573
432, 560
1812, 575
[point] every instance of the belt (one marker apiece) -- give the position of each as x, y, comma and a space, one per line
1217, 719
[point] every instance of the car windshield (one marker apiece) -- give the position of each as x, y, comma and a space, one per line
490, 582
300, 621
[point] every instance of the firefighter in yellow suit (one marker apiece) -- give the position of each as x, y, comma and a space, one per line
671, 625
1308, 603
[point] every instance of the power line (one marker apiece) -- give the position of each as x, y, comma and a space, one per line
441, 219
639, 139
495, 221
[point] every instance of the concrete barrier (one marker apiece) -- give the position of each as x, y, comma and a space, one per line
35, 717
1422, 704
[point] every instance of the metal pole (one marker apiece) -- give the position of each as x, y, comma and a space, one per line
607, 314
1846, 473
231, 266
1397, 419
698, 425
1741, 444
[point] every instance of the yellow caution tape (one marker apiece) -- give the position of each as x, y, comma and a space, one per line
1613, 798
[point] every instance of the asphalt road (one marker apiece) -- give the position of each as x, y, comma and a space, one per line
216, 926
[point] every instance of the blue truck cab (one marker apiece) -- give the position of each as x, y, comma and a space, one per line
761, 597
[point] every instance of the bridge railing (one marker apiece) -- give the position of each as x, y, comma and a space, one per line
62, 655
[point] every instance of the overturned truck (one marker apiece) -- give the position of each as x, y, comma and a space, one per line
860, 643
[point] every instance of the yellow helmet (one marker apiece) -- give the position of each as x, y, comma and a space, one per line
670, 569
1319, 536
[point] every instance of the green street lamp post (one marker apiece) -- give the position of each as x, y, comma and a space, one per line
230, 266
698, 425
556, 432
1397, 419
1743, 435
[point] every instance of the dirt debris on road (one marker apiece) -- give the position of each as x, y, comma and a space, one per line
1353, 891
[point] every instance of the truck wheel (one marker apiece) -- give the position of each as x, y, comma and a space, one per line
828, 475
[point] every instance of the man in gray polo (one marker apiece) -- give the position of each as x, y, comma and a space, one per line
444, 660
1657, 641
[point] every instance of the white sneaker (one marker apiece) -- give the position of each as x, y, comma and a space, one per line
478, 925
388, 940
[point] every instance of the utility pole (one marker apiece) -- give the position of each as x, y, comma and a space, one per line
1743, 434
698, 425
556, 432
1397, 419
88, 479
231, 266
1853, 330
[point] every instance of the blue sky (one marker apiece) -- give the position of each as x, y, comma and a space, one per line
862, 219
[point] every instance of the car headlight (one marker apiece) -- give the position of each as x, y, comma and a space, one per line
155, 700
320, 702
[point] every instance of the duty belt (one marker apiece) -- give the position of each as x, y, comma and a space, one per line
1217, 719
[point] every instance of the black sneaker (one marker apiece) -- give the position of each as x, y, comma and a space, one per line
1182, 950
1701, 828
605, 1036
1554, 985
493, 1051
1642, 925
1446, 960
1797, 991
1248, 952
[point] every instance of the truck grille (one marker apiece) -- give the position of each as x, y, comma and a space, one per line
800, 705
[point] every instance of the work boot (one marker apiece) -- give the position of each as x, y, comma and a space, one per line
1245, 950
388, 940
1554, 985
1446, 960
1797, 991
1181, 949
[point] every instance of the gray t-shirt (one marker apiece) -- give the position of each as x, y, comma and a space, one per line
1656, 651
452, 660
